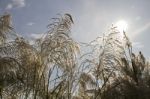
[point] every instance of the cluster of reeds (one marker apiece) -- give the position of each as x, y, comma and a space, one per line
54, 68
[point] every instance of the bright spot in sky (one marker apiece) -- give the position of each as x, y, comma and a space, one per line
121, 25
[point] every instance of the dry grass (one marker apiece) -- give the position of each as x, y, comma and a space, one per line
52, 68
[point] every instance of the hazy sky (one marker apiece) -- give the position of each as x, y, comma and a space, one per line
91, 17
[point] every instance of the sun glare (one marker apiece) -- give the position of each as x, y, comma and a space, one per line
122, 25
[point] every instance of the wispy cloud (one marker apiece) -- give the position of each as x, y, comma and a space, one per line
30, 23
9, 6
15, 3
137, 45
142, 29
36, 36
19, 3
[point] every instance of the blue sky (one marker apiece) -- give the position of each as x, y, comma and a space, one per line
92, 17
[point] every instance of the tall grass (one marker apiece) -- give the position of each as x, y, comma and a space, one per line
52, 68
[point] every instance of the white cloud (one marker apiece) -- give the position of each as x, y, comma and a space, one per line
15, 3
9, 6
36, 36
30, 23
18, 3
137, 45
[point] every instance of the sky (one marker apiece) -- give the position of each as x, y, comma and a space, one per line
92, 18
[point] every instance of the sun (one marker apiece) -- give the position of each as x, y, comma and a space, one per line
121, 25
